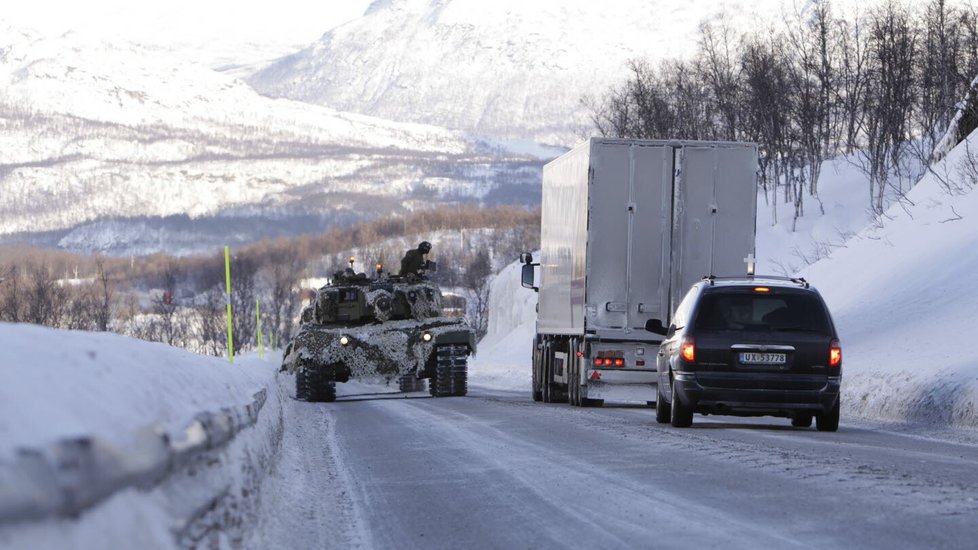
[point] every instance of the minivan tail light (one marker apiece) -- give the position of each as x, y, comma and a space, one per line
688, 350
835, 353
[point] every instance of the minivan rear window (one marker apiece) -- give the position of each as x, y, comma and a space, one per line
750, 311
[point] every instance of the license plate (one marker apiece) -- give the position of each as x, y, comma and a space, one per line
763, 358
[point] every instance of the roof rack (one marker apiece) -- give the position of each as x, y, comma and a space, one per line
800, 281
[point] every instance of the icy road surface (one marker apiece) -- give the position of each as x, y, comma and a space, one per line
496, 470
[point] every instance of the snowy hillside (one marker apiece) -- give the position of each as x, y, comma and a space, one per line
904, 302
509, 68
122, 148
217, 33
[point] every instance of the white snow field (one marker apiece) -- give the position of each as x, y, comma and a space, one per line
107, 442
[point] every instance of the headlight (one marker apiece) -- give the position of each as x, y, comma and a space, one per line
344, 340
426, 337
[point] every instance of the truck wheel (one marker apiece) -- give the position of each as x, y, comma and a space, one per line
574, 385
662, 409
536, 390
828, 421
682, 414
547, 383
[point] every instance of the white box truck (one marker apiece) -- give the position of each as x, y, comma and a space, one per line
627, 226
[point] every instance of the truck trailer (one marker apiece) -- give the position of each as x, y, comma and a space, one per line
627, 226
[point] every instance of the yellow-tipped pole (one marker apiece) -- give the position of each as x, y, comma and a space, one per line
227, 276
261, 350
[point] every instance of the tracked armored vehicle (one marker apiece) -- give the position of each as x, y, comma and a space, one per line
388, 327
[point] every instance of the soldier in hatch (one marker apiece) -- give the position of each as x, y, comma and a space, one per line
413, 261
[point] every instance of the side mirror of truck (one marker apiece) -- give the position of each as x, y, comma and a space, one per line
655, 326
526, 258
526, 277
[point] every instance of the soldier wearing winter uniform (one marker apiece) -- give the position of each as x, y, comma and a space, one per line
413, 261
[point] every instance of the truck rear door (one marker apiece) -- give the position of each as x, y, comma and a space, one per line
715, 210
629, 235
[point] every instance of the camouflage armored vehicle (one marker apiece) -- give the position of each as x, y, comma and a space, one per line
390, 327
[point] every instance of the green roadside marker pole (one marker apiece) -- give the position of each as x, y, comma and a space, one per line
261, 351
227, 276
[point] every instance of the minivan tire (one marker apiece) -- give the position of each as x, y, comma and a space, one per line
828, 421
682, 414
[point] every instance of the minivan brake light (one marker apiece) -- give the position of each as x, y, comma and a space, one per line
835, 354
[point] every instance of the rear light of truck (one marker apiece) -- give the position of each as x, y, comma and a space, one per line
612, 361
835, 354
688, 350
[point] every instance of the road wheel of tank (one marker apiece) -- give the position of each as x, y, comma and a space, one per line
460, 371
828, 421
301, 385
443, 383
319, 386
662, 409
410, 383
682, 414
801, 420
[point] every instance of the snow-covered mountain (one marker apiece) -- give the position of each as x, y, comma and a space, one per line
507, 68
128, 149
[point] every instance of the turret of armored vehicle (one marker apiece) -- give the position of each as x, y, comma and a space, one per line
388, 327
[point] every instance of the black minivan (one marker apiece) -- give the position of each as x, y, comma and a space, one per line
753, 346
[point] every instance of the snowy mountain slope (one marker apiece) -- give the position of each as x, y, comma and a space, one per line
216, 33
96, 132
507, 68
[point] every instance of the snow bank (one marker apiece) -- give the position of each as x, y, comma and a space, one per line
903, 298
503, 358
61, 384
107, 427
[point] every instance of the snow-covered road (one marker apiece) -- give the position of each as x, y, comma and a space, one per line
496, 470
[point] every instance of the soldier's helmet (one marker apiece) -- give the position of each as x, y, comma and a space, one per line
424, 247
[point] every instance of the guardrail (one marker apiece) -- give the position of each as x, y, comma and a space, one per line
72, 475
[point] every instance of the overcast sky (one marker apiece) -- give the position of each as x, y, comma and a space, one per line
196, 21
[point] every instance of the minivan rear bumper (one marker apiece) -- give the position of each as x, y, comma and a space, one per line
755, 394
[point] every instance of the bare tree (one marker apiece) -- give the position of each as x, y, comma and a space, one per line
853, 64
45, 297
283, 280
718, 63
11, 305
244, 291
766, 110
889, 99
210, 326
102, 305
476, 281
